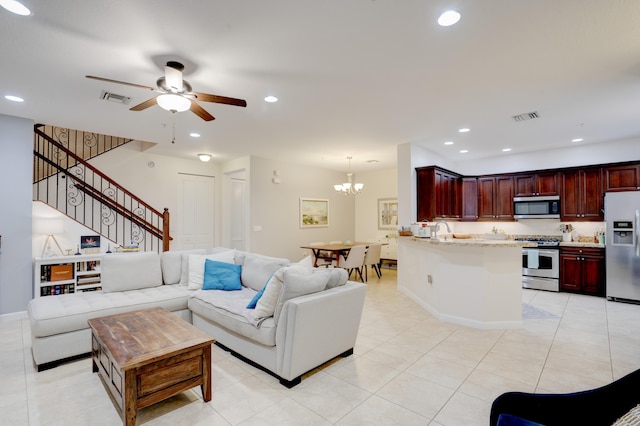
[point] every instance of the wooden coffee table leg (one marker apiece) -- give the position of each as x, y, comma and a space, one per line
130, 408
206, 374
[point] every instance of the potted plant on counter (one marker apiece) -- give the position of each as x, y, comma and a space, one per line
566, 229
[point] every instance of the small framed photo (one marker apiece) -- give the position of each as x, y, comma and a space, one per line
314, 213
90, 244
387, 213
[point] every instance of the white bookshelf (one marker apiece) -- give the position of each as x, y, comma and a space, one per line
53, 276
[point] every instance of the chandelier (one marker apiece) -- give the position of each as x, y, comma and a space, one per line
348, 187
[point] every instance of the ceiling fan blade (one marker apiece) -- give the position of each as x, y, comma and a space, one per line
173, 77
119, 82
144, 105
201, 112
220, 99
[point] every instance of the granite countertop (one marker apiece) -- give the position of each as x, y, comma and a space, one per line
472, 242
581, 244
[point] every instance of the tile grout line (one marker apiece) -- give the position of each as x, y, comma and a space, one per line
555, 334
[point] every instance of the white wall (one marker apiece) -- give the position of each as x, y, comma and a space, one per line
157, 185
275, 213
377, 184
16, 165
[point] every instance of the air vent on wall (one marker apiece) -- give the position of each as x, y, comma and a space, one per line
526, 116
112, 97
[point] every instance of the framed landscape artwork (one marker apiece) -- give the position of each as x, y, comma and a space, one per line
314, 213
387, 213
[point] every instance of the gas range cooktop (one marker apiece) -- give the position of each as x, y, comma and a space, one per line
541, 241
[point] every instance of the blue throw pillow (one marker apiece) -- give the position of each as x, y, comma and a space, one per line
221, 276
254, 301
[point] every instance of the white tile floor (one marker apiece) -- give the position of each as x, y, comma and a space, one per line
408, 368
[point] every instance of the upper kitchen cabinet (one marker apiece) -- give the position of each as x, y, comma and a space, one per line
438, 194
495, 198
469, 199
536, 184
581, 194
622, 178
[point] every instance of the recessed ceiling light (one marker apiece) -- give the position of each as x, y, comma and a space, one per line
464, 151
464, 130
16, 7
448, 143
577, 140
506, 149
194, 135
449, 18
271, 99
14, 98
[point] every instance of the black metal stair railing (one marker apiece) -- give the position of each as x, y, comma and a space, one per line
68, 183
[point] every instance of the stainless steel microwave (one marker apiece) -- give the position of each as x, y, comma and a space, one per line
536, 207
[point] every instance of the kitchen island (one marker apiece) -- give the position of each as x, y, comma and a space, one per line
476, 283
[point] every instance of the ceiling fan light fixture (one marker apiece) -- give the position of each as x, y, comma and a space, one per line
172, 102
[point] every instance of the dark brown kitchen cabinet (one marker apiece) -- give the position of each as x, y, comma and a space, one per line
535, 184
495, 198
438, 194
469, 199
582, 269
622, 178
581, 196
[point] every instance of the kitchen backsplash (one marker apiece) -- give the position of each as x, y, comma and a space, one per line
526, 227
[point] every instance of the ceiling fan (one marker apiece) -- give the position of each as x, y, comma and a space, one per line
176, 94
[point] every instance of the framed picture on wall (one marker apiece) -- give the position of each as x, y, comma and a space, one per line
387, 213
90, 243
314, 213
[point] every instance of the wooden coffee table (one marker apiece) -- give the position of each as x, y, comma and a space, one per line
149, 355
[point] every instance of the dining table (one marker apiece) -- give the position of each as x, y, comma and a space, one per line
335, 249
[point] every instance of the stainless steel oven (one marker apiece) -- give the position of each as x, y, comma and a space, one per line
540, 268
541, 265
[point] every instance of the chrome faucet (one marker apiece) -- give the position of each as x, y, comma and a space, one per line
434, 228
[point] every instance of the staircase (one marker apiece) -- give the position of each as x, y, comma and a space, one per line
63, 179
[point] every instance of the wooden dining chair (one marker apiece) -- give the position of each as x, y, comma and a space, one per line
354, 261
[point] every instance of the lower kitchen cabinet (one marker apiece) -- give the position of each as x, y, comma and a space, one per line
582, 269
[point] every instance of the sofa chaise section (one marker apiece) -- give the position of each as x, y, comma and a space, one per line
59, 328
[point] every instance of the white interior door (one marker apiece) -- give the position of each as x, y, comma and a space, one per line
197, 202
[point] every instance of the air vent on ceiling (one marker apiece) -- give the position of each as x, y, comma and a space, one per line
526, 116
113, 97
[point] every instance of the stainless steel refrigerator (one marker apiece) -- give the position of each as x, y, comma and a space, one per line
622, 215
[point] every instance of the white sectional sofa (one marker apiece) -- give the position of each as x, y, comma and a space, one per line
314, 317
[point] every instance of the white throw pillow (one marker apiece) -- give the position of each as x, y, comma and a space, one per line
267, 303
336, 276
196, 266
257, 270
298, 281
175, 264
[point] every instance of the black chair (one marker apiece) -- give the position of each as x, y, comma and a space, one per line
600, 406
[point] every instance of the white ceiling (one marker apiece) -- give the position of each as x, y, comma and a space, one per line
354, 77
